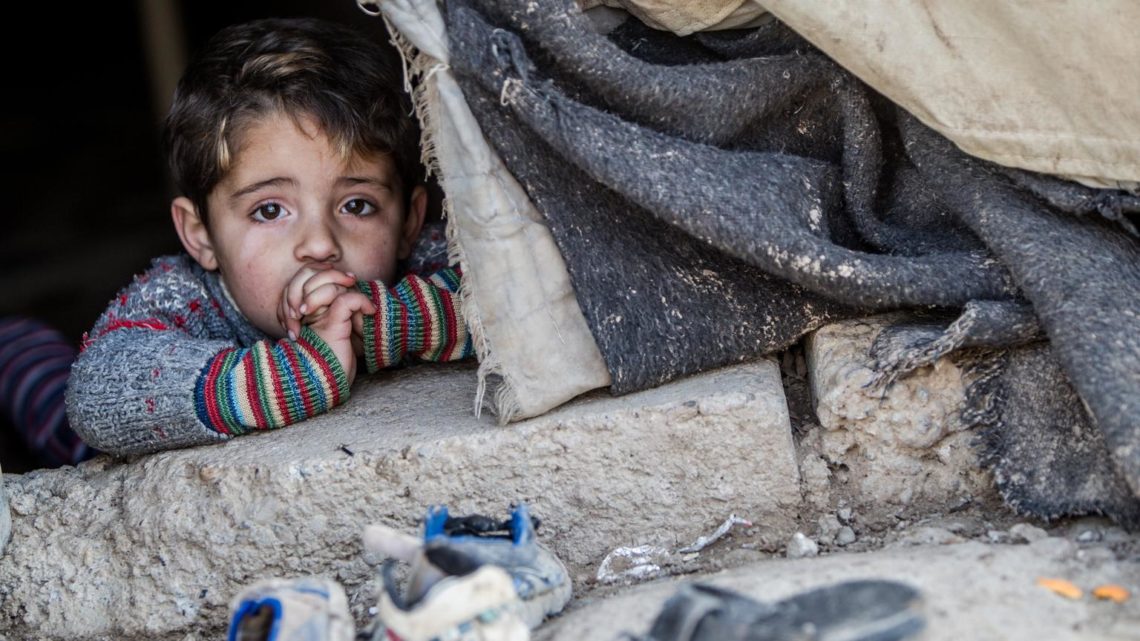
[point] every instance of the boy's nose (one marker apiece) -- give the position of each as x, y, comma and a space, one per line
317, 243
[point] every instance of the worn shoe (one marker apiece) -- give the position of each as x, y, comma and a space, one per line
479, 606
455, 550
870, 610
302, 609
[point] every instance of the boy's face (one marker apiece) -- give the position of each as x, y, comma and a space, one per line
291, 201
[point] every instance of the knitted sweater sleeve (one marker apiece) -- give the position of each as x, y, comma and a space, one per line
153, 376
416, 318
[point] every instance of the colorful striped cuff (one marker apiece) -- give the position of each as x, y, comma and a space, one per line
270, 385
418, 318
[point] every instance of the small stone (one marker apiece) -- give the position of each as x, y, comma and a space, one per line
906, 496
997, 536
844, 515
928, 535
801, 546
846, 536
1090, 536
1026, 533
961, 503
828, 527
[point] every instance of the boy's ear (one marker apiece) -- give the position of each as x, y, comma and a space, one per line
413, 222
193, 232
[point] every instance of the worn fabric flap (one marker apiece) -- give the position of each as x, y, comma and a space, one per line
1046, 87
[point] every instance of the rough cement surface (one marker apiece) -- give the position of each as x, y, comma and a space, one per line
885, 451
971, 590
156, 548
5, 516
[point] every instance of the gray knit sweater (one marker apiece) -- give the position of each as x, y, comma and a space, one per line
171, 363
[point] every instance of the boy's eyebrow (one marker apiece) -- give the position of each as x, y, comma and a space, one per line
359, 180
261, 184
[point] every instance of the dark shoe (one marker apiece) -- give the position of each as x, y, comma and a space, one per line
868, 610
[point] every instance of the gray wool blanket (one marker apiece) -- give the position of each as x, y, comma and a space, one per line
717, 196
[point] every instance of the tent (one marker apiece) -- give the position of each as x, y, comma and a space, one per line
640, 198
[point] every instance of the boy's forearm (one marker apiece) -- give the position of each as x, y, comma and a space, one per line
131, 391
135, 391
416, 318
270, 385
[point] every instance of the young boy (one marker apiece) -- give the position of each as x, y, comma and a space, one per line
292, 144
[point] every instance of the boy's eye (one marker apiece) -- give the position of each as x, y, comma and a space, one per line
359, 207
267, 212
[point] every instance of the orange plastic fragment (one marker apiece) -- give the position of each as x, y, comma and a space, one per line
1061, 587
1111, 592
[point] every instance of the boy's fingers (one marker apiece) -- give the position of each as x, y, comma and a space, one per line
358, 323
287, 314
314, 316
319, 298
350, 303
320, 279
295, 289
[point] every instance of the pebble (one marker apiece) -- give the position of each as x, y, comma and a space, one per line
844, 515
997, 536
1090, 536
1026, 533
801, 546
828, 527
928, 535
846, 536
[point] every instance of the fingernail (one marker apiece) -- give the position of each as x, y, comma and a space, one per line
304, 308
350, 275
292, 313
292, 335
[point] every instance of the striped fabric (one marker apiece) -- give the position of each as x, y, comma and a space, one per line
270, 385
35, 361
416, 318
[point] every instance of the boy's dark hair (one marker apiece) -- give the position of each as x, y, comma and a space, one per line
351, 85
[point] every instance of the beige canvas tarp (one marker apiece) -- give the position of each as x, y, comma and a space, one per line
1048, 86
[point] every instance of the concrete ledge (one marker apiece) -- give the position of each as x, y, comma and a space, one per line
5, 517
884, 451
156, 548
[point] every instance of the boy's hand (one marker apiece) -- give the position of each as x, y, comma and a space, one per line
338, 325
308, 295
